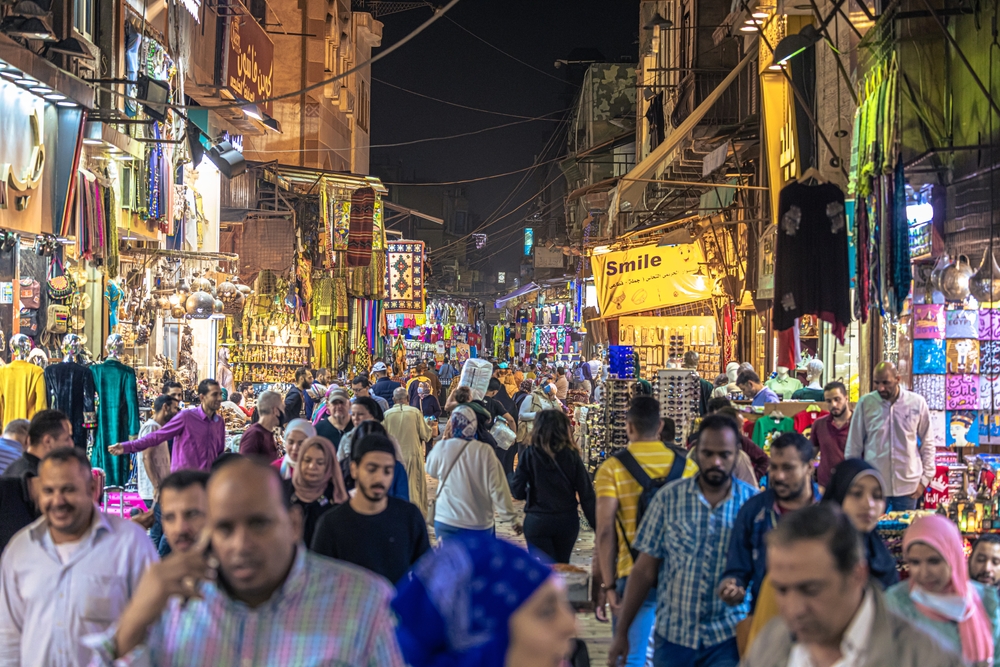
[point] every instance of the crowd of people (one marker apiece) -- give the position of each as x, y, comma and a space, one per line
314, 547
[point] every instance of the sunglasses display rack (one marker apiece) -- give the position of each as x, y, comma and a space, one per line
679, 392
618, 394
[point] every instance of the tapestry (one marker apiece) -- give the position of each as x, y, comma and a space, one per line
359, 239
405, 277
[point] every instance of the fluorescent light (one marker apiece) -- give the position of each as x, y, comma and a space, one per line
65, 103
750, 28
920, 213
55, 97
760, 15
41, 90
92, 142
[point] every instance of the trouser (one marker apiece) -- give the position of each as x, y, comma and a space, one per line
552, 534
507, 459
640, 633
723, 654
900, 503
443, 530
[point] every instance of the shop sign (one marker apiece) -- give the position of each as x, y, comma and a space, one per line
648, 277
250, 62
529, 240
548, 258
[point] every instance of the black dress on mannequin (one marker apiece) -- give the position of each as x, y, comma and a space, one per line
70, 388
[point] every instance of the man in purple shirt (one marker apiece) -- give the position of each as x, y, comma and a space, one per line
199, 433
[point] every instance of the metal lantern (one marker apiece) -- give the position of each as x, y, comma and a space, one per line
219, 306
177, 312
200, 305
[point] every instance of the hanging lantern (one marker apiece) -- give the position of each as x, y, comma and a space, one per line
200, 305
219, 306
177, 312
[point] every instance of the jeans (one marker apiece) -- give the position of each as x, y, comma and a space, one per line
724, 654
640, 633
156, 533
900, 503
552, 534
443, 530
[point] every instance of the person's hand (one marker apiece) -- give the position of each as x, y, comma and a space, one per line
611, 595
919, 493
600, 605
731, 592
618, 653
117, 450
144, 519
518, 528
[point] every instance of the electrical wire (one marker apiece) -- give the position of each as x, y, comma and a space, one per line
438, 13
461, 106
481, 178
514, 58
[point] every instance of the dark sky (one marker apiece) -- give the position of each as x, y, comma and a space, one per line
449, 63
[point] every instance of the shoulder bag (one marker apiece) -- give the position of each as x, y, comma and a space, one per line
432, 505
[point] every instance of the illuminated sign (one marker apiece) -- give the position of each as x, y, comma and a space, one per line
250, 62
479, 240
529, 240
501, 277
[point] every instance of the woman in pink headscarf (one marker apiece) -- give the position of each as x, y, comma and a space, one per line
938, 596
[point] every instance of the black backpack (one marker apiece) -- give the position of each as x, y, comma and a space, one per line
649, 486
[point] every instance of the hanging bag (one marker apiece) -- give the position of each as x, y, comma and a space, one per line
56, 282
30, 293
29, 321
57, 318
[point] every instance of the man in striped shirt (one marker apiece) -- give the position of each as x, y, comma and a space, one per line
249, 593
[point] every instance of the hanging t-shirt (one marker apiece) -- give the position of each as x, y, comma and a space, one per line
804, 421
768, 428
784, 387
811, 274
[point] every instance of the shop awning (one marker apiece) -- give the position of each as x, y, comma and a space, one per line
520, 291
411, 211
634, 182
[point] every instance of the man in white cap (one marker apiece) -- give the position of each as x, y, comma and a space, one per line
383, 386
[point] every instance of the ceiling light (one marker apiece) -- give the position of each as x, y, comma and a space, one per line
793, 45
750, 28
657, 21
55, 97
760, 15
41, 90
92, 142
12, 75
752, 22
775, 67
65, 103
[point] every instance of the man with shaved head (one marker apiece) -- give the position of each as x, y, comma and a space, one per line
891, 430
250, 588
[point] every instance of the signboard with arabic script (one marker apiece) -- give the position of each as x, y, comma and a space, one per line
250, 62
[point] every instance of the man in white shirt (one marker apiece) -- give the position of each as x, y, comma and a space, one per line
68, 574
153, 464
891, 429
829, 613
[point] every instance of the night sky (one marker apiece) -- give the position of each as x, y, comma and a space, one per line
449, 63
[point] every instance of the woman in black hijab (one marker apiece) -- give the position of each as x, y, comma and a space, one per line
860, 491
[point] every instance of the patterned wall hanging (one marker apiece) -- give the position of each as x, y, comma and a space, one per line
405, 277
359, 239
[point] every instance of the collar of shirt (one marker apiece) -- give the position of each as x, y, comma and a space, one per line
41, 535
200, 411
294, 583
853, 644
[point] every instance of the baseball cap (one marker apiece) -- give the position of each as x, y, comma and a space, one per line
338, 395
379, 367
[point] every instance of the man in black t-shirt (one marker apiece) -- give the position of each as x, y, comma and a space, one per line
382, 534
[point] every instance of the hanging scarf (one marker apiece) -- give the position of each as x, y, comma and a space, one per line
974, 628
360, 237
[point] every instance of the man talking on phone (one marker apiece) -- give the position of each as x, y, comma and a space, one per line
192, 608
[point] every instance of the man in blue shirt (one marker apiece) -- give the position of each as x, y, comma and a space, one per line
13, 442
682, 543
790, 488
384, 385
749, 383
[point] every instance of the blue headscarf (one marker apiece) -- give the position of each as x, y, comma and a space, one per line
455, 609
463, 423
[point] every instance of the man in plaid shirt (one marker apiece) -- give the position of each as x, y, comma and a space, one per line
683, 541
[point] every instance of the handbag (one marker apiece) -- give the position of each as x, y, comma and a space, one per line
57, 319
56, 282
432, 505
30, 293
502, 433
29, 321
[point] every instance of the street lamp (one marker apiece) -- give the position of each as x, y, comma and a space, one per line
793, 45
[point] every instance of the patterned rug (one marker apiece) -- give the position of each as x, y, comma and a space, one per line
405, 277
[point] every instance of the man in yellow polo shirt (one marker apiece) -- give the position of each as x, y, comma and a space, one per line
618, 495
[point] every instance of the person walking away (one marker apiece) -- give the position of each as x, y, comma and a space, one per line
298, 401
500, 404
362, 389
69, 573
447, 374
682, 544
258, 438
384, 385
406, 424
297, 431
279, 600
830, 612
984, 562
338, 422
183, 506
749, 383
12, 442
199, 433
562, 385
621, 485
381, 534
471, 482
47, 430
830, 438
316, 486
939, 598
153, 465
790, 487
891, 429
550, 477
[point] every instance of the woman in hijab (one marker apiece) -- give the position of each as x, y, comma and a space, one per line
296, 433
477, 601
316, 485
426, 401
939, 598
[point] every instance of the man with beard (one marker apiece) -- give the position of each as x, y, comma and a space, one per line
829, 433
249, 587
682, 549
891, 429
69, 573
382, 534
791, 488
183, 506
984, 563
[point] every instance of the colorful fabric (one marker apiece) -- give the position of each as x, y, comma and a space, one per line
405, 277
362, 221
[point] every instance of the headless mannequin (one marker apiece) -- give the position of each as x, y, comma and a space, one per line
223, 373
20, 347
70, 388
814, 374
732, 372
783, 385
114, 346
118, 414
22, 387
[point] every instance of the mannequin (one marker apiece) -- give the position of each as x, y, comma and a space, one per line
70, 387
223, 373
117, 413
784, 385
814, 376
22, 386
732, 372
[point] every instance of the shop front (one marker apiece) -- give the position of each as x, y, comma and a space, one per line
448, 329
541, 320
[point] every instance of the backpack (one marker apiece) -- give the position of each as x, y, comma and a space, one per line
649, 486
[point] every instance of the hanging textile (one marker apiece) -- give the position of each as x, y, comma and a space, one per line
359, 238
405, 277
900, 272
